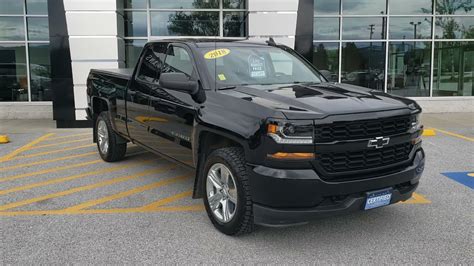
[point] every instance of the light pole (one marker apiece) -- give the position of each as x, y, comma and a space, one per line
415, 24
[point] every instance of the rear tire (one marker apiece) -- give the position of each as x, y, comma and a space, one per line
110, 149
228, 164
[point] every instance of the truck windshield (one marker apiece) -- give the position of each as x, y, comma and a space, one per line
233, 66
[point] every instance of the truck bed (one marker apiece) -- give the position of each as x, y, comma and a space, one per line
124, 73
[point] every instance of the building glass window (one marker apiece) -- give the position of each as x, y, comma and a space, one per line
133, 48
234, 4
363, 64
411, 7
135, 4
326, 59
24, 51
235, 24
414, 48
184, 4
455, 28
135, 24
410, 28
37, 7
146, 20
12, 29
40, 72
367, 28
13, 76
326, 28
326, 7
38, 29
11, 7
453, 69
363, 7
179, 23
454, 7
409, 68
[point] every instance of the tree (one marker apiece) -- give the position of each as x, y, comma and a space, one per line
321, 58
450, 7
194, 23
448, 24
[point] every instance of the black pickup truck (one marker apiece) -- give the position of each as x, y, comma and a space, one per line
272, 141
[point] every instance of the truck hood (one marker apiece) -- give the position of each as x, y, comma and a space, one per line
320, 99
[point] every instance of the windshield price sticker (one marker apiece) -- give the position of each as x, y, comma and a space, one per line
216, 53
257, 66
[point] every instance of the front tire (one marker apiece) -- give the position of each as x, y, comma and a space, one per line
110, 149
228, 200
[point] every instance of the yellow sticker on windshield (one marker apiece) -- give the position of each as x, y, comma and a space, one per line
216, 53
221, 77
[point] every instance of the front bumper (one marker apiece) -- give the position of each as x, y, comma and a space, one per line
284, 197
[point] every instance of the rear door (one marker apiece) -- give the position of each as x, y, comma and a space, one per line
174, 111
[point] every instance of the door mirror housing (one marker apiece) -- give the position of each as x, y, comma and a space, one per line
178, 82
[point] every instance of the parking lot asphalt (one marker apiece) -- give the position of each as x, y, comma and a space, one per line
60, 203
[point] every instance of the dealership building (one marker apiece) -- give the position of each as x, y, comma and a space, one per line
422, 49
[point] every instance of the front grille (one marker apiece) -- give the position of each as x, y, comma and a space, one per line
334, 163
362, 129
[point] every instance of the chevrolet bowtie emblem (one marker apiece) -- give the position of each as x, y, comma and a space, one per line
378, 142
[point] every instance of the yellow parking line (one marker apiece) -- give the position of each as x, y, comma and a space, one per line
45, 171
72, 177
428, 132
416, 199
70, 136
47, 161
198, 207
83, 188
127, 193
168, 200
59, 143
26, 147
52, 152
454, 134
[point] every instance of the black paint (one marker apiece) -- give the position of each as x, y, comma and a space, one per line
61, 70
304, 29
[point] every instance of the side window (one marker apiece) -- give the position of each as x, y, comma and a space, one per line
152, 62
178, 60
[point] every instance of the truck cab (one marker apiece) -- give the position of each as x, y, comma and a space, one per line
271, 140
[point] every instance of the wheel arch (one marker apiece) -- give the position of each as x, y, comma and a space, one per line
99, 105
208, 140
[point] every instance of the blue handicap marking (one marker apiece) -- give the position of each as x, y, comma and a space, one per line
465, 178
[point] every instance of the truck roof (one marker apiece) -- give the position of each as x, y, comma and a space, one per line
209, 42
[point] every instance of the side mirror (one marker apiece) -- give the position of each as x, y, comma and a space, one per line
178, 82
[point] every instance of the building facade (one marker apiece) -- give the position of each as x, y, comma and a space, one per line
415, 48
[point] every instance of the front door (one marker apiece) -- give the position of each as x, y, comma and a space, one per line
138, 96
174, 111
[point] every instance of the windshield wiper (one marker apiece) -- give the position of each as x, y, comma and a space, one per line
308, 82
231, 87
226, 88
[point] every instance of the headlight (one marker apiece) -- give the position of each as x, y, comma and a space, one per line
416, 123
291, 132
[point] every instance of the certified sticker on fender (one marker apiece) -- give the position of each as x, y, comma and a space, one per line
216, 53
